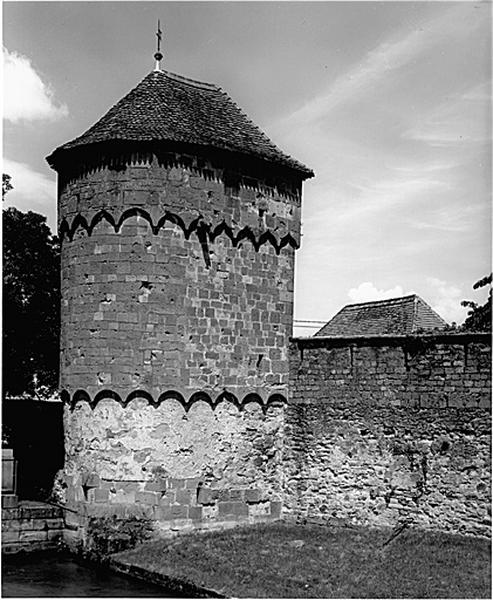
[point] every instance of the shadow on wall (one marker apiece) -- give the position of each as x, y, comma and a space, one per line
34, 430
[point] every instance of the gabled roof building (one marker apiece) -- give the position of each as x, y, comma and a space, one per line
397, 316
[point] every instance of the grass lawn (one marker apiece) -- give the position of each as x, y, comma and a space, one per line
300, 561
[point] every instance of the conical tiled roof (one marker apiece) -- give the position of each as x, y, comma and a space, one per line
169, 107
396, 316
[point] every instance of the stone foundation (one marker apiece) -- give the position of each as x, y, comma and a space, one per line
31, 526
172, 505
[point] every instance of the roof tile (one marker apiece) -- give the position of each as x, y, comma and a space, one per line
396, 316
169, 107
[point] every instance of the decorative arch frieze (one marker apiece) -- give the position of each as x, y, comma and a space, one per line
205, 232
275, 399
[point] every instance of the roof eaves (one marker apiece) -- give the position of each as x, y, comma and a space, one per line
245, 136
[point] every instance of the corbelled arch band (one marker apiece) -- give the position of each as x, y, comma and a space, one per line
275, 399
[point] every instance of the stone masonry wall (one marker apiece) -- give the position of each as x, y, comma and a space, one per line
157, 307
388, 431
177, 296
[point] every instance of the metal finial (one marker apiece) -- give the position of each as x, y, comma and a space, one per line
158, 56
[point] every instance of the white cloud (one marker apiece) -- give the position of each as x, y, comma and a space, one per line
367, 292
32, 190
445, 299
25, 95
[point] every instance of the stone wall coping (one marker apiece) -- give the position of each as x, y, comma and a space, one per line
390, 339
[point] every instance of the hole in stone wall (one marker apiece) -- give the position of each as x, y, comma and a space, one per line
259, 360
444, 447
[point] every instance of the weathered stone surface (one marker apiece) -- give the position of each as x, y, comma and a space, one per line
143, 310
424, 371
218, 446
151, 306
362, 444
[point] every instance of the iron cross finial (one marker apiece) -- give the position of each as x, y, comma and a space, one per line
158, 56
159, 35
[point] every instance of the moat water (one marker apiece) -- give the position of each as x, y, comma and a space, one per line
59, 575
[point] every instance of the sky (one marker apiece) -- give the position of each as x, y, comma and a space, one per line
388, 102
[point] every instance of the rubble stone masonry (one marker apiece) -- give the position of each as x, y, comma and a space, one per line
388, 431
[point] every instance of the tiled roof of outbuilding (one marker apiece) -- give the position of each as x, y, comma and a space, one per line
169, 107
397, 316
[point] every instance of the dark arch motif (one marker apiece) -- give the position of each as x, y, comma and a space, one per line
251, 398
200, 396
80, 396
226, 396
202, 230
277, 400
103, 394
100, 216
170, 395
138, 394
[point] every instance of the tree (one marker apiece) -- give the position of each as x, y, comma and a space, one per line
31, 304
479, 317
6, 184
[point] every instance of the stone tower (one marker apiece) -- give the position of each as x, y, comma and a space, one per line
179, 220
